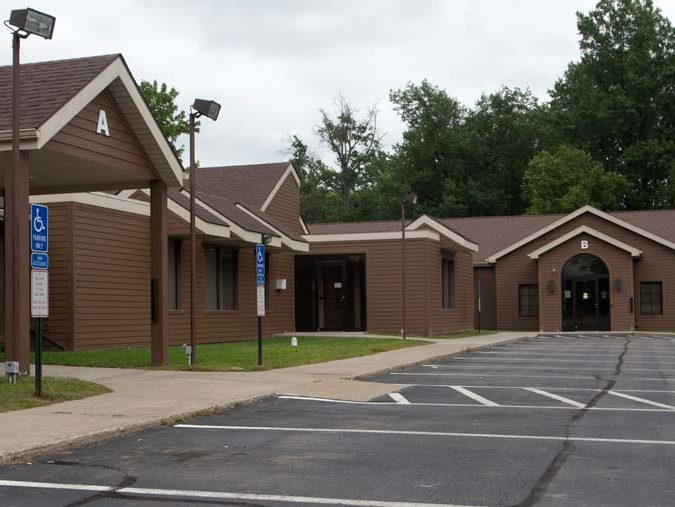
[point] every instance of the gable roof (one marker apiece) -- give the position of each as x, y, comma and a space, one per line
584, 229
251, 184
54, 92
571, 216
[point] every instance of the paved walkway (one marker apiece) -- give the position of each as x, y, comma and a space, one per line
143, 398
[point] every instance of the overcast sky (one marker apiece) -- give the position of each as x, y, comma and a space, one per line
272, 64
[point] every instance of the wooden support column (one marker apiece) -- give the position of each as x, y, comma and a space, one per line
159, 274
17, 262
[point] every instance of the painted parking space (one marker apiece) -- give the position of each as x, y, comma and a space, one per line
493, 434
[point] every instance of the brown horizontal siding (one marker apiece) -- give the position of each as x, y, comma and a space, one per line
383, 285
620, 265
58, 326
653, 265
460, 316
241, 323
285, 206
111, 278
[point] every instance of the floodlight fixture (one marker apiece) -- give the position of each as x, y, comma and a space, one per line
33, 22
410, 198
207, 108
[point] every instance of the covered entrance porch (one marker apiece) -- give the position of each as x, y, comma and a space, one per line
330, 293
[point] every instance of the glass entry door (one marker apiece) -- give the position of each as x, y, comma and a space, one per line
586, 295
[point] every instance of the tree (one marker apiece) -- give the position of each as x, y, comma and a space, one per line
568, 178
428, 157
162, 103
618, 101
354, 146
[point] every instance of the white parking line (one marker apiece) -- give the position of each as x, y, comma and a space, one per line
546, 388
474, 396
641, 400
472, 405
425, 433
557, 397
219, 495
399, 398
497, 360
559, 368
571, 354
480, 374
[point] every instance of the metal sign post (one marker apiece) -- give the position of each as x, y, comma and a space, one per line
260, 293
478, 291
39, 281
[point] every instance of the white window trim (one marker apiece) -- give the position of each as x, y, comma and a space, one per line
584, 229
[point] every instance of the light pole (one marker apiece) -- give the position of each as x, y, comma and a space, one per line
210, 109
22, 23
407, 199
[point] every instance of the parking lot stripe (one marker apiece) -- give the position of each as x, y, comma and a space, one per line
546, 388
641, 400
220, 495
557, 397
529, 368
497, 360
474, 396
479, 374
426, 434
565, 354
470, 405
399, 398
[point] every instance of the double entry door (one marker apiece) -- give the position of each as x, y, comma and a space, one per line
586, 304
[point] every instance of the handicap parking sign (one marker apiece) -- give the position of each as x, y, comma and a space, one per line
39, 228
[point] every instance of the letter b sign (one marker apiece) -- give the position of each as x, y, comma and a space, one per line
584, 244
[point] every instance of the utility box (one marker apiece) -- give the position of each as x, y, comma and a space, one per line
12, 371
281, 284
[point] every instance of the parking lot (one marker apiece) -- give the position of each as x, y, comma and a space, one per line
552, 420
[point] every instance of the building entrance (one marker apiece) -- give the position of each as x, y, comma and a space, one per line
585, 294
330, 293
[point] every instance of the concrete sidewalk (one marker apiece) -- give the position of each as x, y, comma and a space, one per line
143, 398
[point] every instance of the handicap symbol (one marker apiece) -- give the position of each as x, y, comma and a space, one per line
38, 225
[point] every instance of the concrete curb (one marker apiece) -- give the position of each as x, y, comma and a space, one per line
98, 437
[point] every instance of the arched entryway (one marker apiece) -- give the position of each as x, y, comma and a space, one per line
585, 294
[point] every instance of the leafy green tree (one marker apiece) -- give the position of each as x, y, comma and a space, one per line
336, 191
428, 157
568, 178
162, 103
618, 101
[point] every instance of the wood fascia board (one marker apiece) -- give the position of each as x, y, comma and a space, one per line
584, 229
290, 171
298, 246
370, 236
116, 70
575, 214
237, 230
445, 231
207, 228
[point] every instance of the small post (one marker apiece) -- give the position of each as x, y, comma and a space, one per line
38, 357
479, 303
260, 348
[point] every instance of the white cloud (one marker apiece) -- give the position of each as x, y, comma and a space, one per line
272, 63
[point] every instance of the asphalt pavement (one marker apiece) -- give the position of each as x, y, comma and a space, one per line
553, 420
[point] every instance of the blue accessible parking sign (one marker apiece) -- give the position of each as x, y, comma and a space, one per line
260, 264
39, 228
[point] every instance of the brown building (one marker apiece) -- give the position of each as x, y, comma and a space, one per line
587, 270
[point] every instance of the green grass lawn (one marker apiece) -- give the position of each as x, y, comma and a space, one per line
237, 356
467, 334
54, 389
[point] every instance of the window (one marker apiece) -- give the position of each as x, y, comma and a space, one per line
221, 278
651, 298
174, 274
448, 274
528, 300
